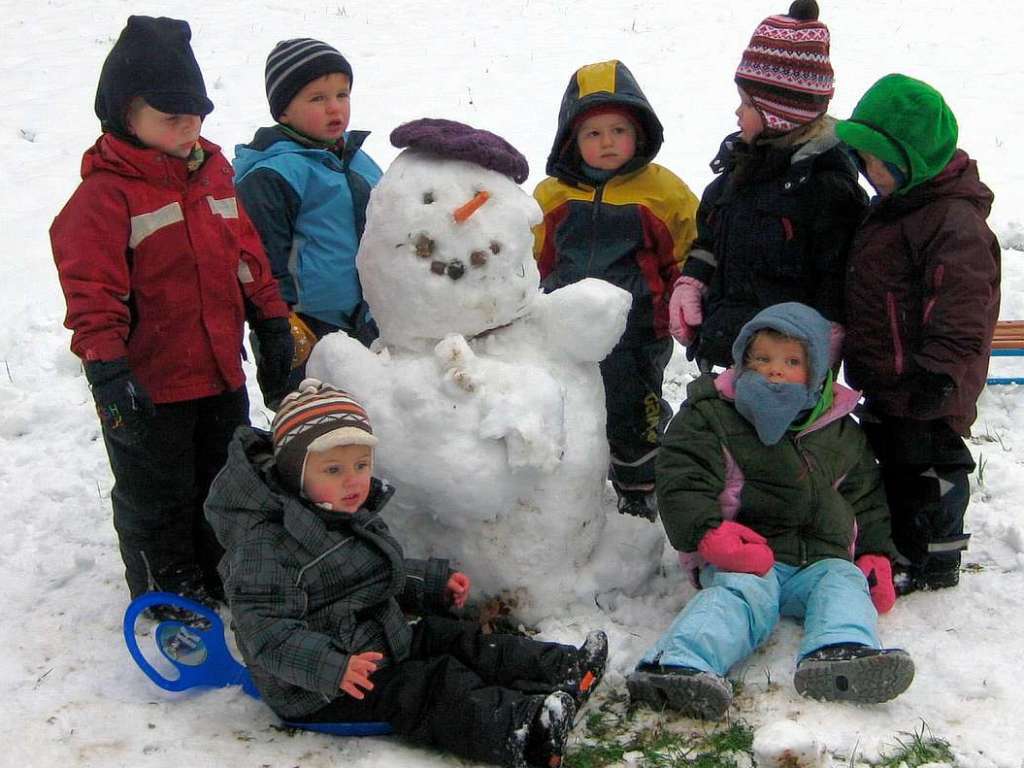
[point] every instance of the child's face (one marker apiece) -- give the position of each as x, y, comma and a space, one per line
607, 142
172, 134
778, 360
750, 122
879, 176
339, 476
321, 109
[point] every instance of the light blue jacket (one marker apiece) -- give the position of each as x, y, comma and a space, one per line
309, 206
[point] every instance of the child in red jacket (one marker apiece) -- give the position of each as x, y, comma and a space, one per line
160, 268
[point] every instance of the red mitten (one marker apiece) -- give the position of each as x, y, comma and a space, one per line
878, 571
684, 309
734, 547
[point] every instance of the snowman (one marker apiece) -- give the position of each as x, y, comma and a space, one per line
485, 392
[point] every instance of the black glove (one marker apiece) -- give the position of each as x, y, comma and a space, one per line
274, 350
122, 405
928, 393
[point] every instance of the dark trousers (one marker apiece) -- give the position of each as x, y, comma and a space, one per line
160, 483
460, 690
925, 467
637, 413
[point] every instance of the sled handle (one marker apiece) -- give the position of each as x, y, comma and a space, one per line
200, 655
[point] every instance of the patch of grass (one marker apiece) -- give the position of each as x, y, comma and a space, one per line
613, 731
918, 748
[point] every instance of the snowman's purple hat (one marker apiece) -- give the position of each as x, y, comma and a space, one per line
458, 141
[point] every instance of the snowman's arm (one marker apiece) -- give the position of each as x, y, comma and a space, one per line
584, 320
341, 361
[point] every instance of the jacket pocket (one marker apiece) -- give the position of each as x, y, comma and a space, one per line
894, 331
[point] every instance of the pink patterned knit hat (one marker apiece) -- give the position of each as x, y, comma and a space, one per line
785, 69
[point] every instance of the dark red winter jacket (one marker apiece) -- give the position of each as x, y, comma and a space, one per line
160, 265
922, 292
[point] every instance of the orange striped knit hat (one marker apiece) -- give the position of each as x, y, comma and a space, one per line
785, 69
315, 417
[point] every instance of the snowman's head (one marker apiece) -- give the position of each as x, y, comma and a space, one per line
448, 245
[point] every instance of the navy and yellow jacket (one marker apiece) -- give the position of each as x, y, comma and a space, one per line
634, 229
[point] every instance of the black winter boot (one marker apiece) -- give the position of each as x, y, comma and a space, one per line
694, 693
549, 732
593, 657
854, 672
639, 504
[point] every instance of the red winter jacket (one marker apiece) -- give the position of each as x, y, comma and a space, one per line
922, 292
157, 264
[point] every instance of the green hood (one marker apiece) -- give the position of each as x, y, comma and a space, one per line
905, 122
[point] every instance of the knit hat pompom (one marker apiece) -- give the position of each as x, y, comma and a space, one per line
294, 63
315, 417
457, 141
786, 70
803, 10
152, 58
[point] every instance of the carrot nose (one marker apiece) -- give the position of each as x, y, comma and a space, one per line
463, 212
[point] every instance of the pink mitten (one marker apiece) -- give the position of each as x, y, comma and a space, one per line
684, 309
734, 547
878, 571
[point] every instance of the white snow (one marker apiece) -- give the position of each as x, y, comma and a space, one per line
72, 697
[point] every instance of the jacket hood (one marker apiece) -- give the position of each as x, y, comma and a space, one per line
118, 155
272, 141
605, 83
905, 122
799, 322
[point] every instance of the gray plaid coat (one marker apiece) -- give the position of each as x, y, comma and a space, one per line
307, 589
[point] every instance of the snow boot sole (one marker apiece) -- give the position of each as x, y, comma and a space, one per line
868, 679
593, 659
698, 694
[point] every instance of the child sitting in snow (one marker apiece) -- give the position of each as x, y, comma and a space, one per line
923, 290
160, 267
764, 474
317, 587
777, 223
306, 182
611, 213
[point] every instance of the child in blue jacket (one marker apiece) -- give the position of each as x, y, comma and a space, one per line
306, 182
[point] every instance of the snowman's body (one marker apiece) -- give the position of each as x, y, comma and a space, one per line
485, 393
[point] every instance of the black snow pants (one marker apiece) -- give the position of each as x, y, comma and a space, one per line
460, 690
637, 413
925, 467
160, 483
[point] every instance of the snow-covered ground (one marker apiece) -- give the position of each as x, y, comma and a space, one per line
72, 697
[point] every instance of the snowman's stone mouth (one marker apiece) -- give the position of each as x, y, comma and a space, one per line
424, 247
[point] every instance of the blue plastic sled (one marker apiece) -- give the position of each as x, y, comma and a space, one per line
202, 658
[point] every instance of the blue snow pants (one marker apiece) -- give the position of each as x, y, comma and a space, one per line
736, 612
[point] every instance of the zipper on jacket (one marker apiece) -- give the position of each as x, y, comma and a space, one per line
809, 465
598, 194
894, 331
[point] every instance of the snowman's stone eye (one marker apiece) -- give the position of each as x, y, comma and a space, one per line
478, 258
428, 198
424, 246
495, 247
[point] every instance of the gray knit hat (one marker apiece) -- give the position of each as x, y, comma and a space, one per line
293, 63
315, 417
